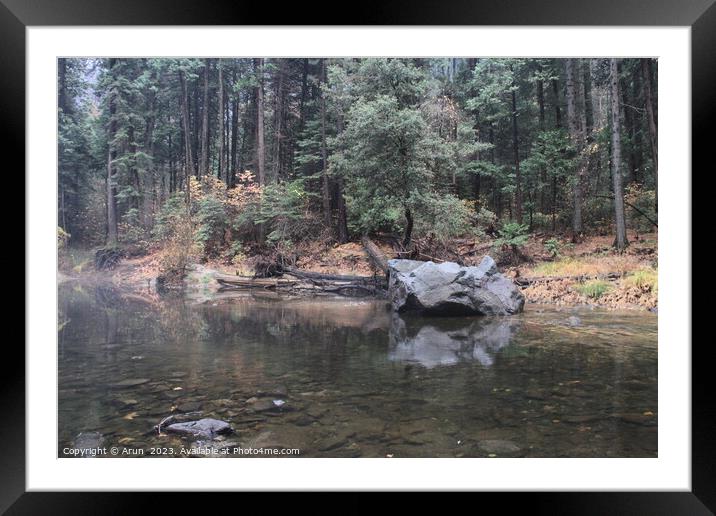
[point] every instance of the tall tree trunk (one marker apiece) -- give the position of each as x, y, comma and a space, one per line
222, 173
196, 128
133, 172
595, 97
278, 120
558, 125
149, 146
62, 86
112, 233
598, 119
188, 158
621, 238
408, 227
234, 133
543, 170
260, 146
629, 125
649, 105
342, 211
172, 172
557, 109
516, 153
204, 157
324, 154
575, 133
582, 178
304, 93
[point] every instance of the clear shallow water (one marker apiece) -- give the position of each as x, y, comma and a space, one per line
356, 380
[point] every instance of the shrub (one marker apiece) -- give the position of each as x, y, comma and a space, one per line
212, 222
284, 211
513, 235
443, 217
175, 231
508, 246
594, 289
485, 220
646, 280
133, 233
62, 238
553, 246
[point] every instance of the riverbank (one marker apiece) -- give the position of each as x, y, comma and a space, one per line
559, 273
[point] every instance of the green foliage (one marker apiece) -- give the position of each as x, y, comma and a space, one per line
133, 232
170, 215
513, 235
211, 224
62, 238
485, 219
427, 140
284, 212
593, 289
553, 247
646, 280
444, 217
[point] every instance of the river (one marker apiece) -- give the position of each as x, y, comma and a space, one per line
347, 378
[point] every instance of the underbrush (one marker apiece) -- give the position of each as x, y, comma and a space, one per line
589, 265
593, 289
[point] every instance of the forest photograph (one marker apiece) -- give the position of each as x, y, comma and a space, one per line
357, 257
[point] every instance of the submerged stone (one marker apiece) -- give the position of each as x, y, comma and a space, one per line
448, 289
499, 446
88, 440
130, 382
202, 428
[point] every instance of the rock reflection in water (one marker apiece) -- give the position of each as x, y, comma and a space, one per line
329, 377
435, 342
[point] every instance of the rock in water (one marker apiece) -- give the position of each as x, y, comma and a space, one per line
202, 428
450, 289
88, 440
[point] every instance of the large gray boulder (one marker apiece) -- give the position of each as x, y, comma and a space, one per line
450, 289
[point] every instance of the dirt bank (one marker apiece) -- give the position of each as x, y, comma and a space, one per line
587, 273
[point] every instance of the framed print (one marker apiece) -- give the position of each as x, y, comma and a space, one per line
419, 253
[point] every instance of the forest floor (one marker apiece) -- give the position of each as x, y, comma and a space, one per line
586, 273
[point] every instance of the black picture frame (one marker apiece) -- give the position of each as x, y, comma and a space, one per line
700, 15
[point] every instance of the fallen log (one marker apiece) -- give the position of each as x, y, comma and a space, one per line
238, 282
525, 282
317, 283
376, 256
321, 276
